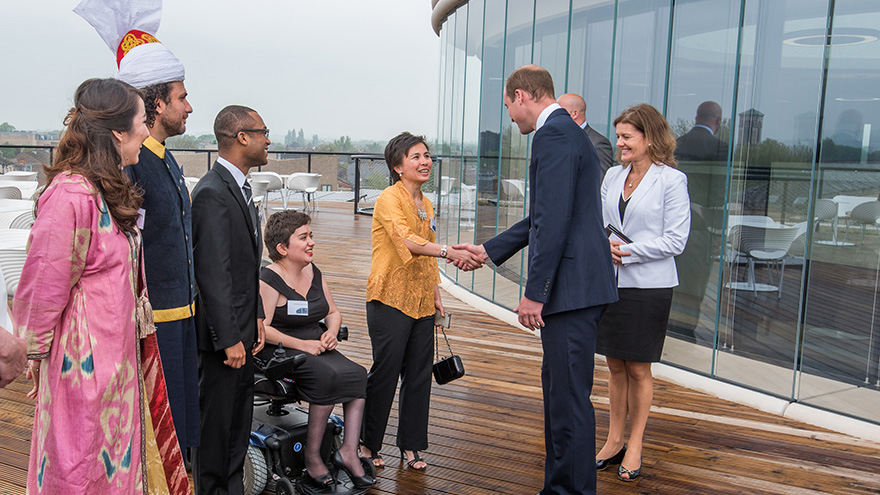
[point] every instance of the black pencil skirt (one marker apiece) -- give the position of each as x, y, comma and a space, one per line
634, 328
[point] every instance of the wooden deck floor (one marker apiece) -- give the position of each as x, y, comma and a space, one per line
486, 429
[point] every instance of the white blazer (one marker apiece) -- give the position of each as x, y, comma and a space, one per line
657, 220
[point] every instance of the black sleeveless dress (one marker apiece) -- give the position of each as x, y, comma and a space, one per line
328, 378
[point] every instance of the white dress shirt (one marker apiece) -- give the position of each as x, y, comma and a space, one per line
237, 174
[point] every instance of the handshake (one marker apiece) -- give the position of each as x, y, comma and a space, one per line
466, 257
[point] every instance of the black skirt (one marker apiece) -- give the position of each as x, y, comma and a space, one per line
634, 328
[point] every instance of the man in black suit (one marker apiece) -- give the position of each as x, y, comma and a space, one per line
570, 276
703, 157
700, 143
575, 105
227, 249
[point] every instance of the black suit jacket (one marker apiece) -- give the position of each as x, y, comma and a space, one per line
569, 256
227, 248
603, 147
699, 144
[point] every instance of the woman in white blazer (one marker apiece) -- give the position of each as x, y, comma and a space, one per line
646, 206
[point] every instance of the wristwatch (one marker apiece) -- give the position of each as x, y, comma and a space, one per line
443, 251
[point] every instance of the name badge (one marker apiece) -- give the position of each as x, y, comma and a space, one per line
433, 225
297, 308
140, 221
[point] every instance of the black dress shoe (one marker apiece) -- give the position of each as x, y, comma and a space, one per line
617, 458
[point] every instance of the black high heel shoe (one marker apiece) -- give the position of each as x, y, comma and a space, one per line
414, 460
364, 481
617, 458
322, 481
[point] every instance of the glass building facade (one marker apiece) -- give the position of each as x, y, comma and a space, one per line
779, 282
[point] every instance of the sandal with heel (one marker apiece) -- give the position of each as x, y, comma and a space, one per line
632, 474
415, 459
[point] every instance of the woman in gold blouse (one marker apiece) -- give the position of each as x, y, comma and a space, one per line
402, 297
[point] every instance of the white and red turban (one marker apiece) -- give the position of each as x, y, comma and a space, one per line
128, 28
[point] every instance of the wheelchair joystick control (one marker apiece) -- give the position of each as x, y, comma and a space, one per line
279, 352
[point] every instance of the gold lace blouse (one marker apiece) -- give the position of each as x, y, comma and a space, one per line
399, 278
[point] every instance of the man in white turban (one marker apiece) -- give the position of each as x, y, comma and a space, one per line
128, 28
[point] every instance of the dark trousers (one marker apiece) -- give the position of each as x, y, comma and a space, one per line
569, 342
177, 346
402, 347
227, 402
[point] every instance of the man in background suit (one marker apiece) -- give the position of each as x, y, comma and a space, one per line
570, 276
700, 143
703, 157
575, 105
228, 248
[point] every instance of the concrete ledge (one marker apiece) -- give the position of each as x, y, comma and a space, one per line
701, 383
722, 390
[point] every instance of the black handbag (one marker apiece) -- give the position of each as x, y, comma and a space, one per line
448, 368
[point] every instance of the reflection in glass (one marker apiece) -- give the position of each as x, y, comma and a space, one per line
841, 339
769, 196
701, 85
589, 61
778, 134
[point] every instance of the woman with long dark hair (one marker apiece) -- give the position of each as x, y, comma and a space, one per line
76, 307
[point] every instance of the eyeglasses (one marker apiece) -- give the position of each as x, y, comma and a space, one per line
264, 131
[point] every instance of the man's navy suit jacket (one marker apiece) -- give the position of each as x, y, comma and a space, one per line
569, 257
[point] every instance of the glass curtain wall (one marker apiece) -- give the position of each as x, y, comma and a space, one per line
775, 107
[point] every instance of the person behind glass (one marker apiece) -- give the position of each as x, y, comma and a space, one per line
402, 297
295, 299
76, 307
646, 198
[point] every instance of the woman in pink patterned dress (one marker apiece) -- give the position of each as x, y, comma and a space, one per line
75, 308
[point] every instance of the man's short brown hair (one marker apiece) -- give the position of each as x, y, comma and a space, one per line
532, 79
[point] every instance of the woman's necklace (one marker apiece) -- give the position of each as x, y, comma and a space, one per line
633, 179
423, 215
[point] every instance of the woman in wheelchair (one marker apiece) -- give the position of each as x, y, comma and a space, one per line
295, 298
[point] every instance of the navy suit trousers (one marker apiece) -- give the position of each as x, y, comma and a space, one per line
569, 342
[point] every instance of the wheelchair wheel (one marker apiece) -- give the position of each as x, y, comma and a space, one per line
284, 487
256, 474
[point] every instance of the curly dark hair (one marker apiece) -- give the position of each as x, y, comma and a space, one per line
151, 93
280, 227
88, 148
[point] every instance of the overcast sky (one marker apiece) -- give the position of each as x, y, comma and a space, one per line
363, 68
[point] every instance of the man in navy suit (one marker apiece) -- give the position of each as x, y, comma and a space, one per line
570, 275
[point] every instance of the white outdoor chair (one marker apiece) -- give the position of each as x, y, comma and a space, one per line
10, 192
191, 183
468, 206
826, 210
305, 184
12, 263
276, 183
24, 221
446, 185
767, 245
19, 175
259, 189
863, 215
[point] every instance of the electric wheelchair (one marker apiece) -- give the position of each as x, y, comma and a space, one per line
278, 434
